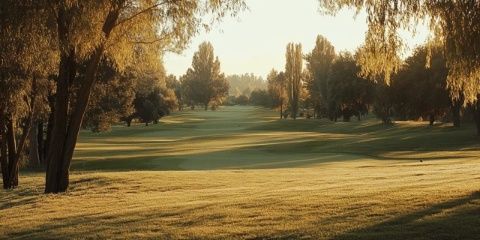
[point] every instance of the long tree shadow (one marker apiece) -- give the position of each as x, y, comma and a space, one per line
253, 141
275, 152
455, 219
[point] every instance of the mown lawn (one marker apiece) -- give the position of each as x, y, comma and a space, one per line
242, 173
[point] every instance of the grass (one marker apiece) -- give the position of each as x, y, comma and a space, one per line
241, 173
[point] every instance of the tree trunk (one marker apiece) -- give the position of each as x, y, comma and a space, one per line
59, 159
48, 138
476, 114
477, 119
12, 168
456, 110
66, 129
34, 158
281, 110
456, 115
41, 143
3, 153
432, 119
67, 71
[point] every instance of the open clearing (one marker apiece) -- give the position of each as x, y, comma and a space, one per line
242, 173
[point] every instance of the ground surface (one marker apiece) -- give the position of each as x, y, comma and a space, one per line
241, 173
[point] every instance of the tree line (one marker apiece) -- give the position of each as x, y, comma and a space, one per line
333, 86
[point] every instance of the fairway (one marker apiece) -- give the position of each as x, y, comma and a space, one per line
242, 173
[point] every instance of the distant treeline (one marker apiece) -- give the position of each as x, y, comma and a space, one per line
244, 84
332, 86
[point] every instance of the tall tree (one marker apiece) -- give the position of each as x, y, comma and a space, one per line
26, 60
454, 24
319, 63
277, 89
119, 29
293, 74
204, 82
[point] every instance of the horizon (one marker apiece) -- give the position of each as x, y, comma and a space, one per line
272, 31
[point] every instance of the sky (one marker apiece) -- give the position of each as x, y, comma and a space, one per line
255, 41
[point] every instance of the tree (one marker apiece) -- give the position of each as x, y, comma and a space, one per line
204, 83
86, 31
176, 86
319, 63
293, 74
241, 100
260, 97
419, 88
112, 98
26, 60
454, 24
153, 97
277, 89
350, 95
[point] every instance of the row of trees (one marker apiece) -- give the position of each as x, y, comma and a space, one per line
333, 86
129, 95
454, 28
329, 86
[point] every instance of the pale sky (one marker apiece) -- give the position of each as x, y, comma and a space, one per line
255, 41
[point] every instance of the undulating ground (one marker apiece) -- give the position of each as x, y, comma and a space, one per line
241, 173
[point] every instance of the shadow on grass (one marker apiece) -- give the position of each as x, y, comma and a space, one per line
274, 153
250, 138
104, 225
455, 219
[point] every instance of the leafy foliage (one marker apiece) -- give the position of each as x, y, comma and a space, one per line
293, 74
350, 95
319, 63
454, 24
204, 83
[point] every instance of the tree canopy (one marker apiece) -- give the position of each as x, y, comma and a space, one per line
453, 24
319, 62
293, 74
204, 83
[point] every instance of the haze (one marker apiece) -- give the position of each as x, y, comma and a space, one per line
255, 41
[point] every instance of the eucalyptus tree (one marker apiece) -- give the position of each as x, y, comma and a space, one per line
204, 82
319, 63
453, 24
123, 31
293, 74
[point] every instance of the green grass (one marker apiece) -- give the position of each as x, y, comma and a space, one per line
241, 173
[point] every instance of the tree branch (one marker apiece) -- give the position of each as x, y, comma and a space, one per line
139, 13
